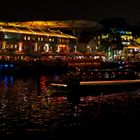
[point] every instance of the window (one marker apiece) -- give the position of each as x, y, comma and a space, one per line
25, 37
28, 38
41, 38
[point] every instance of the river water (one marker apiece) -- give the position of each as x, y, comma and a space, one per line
26, 112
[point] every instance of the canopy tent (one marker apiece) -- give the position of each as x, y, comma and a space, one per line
23, 28
80, 24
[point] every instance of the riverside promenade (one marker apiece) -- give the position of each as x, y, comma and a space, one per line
62, 64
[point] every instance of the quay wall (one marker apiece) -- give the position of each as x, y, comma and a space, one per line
63, 66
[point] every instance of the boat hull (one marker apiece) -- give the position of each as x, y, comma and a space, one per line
86, 88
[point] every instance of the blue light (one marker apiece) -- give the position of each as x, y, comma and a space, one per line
119, 62
6, 65
122, 32
11, 80
6, 80
11, 65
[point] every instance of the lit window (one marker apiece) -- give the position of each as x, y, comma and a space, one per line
41, 38
6, 36
28, 38
25, 37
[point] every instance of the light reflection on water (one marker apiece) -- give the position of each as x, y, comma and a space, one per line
25, 110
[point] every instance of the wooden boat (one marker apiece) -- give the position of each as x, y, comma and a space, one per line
110, 82
95, 87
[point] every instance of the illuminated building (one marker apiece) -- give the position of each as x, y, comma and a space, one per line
131, 53
21, 39
113, 41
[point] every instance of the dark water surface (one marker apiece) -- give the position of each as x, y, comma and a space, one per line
26, 112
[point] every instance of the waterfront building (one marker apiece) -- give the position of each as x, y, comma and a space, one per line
20, 39
131, 53
113, 41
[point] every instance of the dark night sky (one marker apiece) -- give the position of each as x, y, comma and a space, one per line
95, 10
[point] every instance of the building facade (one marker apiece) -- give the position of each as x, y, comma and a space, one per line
17, 39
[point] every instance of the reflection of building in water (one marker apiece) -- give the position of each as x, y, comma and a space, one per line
6, 80
26, 86
43, 86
